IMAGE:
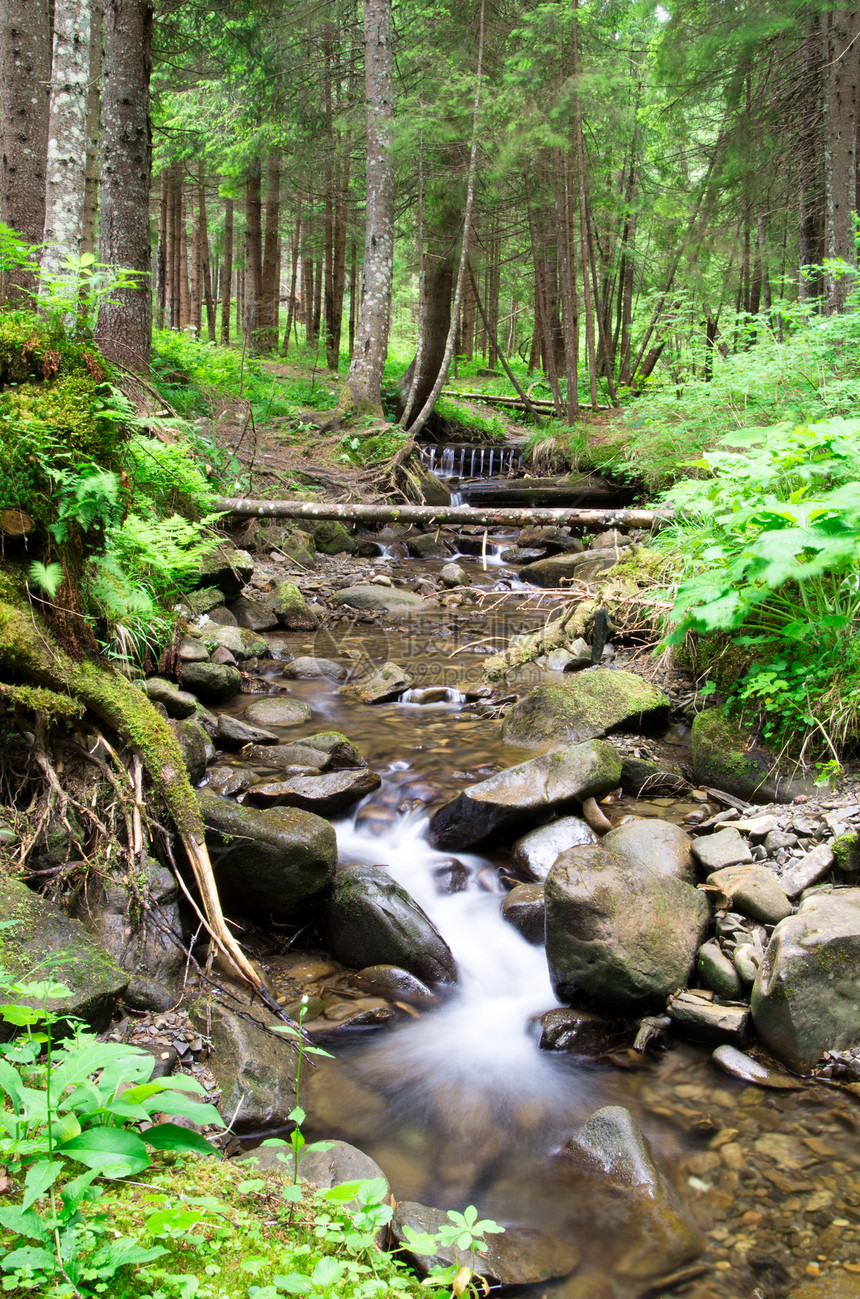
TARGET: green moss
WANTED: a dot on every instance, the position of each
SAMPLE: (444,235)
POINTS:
(846,850)
(38,700)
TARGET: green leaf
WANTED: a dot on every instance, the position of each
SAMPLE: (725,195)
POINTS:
(293,1283)
(114,1151)
(170,1136)
(179,1103)
(39,1178)
(28,1256)
(29,1224)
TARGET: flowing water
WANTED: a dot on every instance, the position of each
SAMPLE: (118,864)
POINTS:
(459,1105)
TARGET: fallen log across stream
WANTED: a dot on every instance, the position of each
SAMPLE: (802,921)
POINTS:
(485,517)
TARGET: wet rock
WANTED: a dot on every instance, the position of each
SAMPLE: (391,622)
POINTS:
(371,920)
(658,1235)
(204,600)
(395,984)
(738,1065)
(746,959)
(223,655)
(326,795)
(697,1016)
(220,616)
(177,703)
(197,749)
(271,863)
(588,706)
(241,643)
(294,543)
(641,776)
(332,538)
(391,600)
(226,568)
(559,569)
(192,650)
(523,554)
(256,615)
(754,891)
(582,1033)
(233,733)
(307,669)
(227,780)
(807,870)
(725,848)
(451,876)
(522,1256)
(659,846)
(279,649)
(535,853)
(724,759)
(524,909)
(285,756)
(41,931)
(292,610)
(618,934)
(805,998)
(453,575)
(717,972)
(280,710)
(255,1069)
(214,683)
(384,684)
(525,792)
(427,546)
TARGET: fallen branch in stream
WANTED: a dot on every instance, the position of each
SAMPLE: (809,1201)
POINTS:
(433,514)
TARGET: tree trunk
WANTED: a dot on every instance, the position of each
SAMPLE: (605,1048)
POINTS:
(25,78)
(205,269)
(840,147)
(161,250)
(292,304)
(608,517)
(253,259)
(227,271)
(196,262)
(567,267)
(271,285)
(91,182)
(125,324)
(810,178)
(183,282)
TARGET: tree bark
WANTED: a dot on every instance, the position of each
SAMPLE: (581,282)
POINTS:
(227,271)
(362,390)
(840,147)
(205,268)
(161,250)
(292,304)
(253,259)
(620,518)
(270,286)
(91,182)
(125,324)
(25,78)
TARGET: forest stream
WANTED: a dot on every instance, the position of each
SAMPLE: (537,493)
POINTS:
(459,1104)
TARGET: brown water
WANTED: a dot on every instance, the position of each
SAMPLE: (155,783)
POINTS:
(460,1106)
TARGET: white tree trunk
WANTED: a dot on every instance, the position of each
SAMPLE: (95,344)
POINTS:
(363,383)
(67,134)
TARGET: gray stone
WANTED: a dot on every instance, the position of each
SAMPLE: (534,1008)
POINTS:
(391,600)
(332,538)
(587,706)
(292,610)
(256,615)
(558,660)
(559,569)
(278,710)
(233,733)
(226,568)
(642,777)
(746,959)
(371,920)
(41,932)
(582,1033)
(612,1143)
(386,683)
(326,795)
(136,919)
(176,702)
(221,616)
(802,872)
(427,546)
(307,668)
(227,780)
(453,575)
(806,997)
(524,909)
(214,683)
(535,853)
(734,1062)
(270,863)
(192,650)
(255,1069)
(696,1016)
(777,839)
(724,758)
(659,846)
(725,848)
(530,790)
(619,935)
(285,756)
(754,891)
(396,984)
(197,748)
(522,1256)
(717,971)
(223,655)
(241,643)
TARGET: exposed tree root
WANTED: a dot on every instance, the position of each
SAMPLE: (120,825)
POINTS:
(29,653)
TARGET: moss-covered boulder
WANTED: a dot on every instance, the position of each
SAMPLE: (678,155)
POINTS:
(431,489)
(590,705)
(272,864)
(380,599)
(371,920)
(214,683)
(197,748)
(332,538)
(806,997)
(292,610)
(226,568)
(240,641)
(254,1067)
(619,936)
(43,943)
(520,795)
(293,543)
(725,757)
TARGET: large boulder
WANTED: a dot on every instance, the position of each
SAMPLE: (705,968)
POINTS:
(292,610)
(242,643)
(387,682)
(278,710)
(371,920)
(589,705)
(332,538)
(254,1067)
(806,997)
(226,568)
(381,599)
(40,934)
(659,846)
(724,758)
(525,793)
(214,683)
(196,746)
(619,936)
(326,795)
(535,853)
(268,863)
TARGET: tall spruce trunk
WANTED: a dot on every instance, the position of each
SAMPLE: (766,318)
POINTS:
(25,79)
(66,167)
(271,285)
(161,253)
(227,272)
(253,258)
(840,147)
(294,275)
(91,180)
(362,390)
(205,267)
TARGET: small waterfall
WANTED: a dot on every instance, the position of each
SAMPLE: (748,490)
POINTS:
(470,461)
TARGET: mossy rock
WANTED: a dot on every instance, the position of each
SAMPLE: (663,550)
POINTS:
(292,610)
(332,538)
(44,943)
(298,546)
(725,758)
(846,851)
(590,706)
